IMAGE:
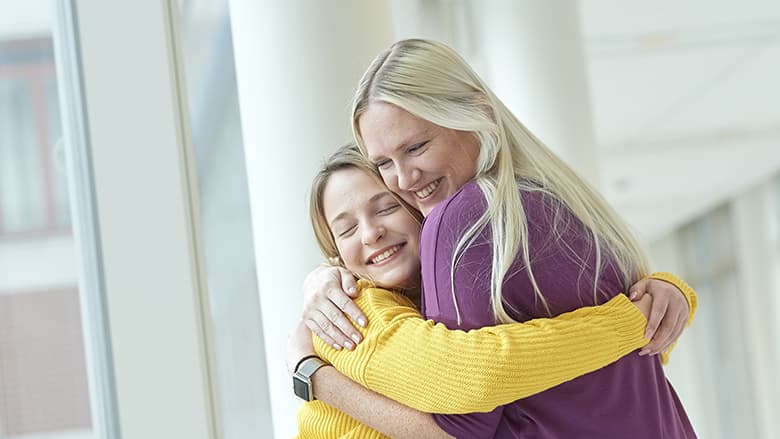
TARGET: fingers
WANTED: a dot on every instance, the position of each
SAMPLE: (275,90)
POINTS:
(656,316)
(645,304)
(668,332)
(329,320)
(325,305)
(674,334)
(638,290)
(344,302)
(335,314)
(315,328)
(660,338)
(348,283)
(668,316)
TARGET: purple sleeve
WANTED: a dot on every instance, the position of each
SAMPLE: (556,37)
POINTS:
(441,232)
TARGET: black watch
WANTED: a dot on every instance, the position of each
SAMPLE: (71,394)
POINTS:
(302,377)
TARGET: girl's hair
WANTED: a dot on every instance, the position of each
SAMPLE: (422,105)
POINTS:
(431,81)
(346,157)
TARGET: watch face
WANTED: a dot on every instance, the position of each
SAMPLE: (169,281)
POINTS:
(301,388)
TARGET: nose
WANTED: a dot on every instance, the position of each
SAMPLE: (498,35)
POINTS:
(407,177)
(372,232)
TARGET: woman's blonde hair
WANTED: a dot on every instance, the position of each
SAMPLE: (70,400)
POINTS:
(431,81)
(346,157)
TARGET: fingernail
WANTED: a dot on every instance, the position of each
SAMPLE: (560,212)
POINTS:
(351,290)
(633,295)
(336,346)
(348,345)
(356,338)
(642,353)
(362,322)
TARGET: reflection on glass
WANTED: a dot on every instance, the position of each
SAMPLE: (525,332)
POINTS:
(224,208)
(44,390)
(723,370)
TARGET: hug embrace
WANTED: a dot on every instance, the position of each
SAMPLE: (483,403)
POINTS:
(476,286)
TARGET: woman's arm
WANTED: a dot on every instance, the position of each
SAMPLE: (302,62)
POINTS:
(432,369)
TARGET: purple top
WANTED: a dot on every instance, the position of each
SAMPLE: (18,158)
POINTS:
(630,398)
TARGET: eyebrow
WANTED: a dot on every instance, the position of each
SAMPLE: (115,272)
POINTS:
(373,199)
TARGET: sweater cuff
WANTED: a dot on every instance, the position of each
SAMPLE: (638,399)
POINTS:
(687,291)
(627,320)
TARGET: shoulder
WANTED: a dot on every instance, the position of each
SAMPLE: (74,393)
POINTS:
(460,210)
(383,304)
(542,209)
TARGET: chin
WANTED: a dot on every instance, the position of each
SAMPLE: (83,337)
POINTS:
(397,279)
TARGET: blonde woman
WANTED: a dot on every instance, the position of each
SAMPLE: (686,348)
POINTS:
(362,226)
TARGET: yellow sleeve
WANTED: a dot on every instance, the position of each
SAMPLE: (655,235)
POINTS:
(690,296)
(428,367)
(318,420)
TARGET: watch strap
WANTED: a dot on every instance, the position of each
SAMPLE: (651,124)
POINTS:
(297,366)
(308,366)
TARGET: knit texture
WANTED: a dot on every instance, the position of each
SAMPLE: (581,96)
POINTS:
(318,420)
(485,368)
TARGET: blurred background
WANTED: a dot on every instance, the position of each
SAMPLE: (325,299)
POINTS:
(155,160)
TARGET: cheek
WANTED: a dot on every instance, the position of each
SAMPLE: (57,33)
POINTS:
(439,163)
(464,169)
(350,253)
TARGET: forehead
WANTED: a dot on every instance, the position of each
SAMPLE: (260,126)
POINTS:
(385,127)
(348,190)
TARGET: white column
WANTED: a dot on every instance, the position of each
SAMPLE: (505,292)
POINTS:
(533,57)
(758,288)
(297,64)
(433,19)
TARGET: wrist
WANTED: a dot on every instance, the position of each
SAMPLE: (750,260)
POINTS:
(302,378)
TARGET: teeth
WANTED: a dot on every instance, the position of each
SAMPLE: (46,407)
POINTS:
(428,189)
(385,255)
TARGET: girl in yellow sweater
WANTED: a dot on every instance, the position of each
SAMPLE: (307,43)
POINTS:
(454,371)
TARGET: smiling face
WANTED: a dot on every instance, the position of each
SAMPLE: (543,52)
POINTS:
(420,161)
(377,238)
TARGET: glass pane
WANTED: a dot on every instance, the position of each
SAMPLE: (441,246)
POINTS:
(225,219)
(45,379)
(722,364)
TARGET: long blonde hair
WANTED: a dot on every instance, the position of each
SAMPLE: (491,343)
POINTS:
(431,81)
(346,157)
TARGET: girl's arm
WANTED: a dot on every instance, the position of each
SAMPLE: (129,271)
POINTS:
(372,409)
(435,370)
(370,415)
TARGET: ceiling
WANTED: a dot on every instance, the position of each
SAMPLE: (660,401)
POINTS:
(685,97)
(686,103)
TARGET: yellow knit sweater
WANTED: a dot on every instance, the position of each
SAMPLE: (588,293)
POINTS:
(486,367)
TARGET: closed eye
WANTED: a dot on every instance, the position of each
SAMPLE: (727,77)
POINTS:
(417,147)
(382,164)
(347,231)
(389,209)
